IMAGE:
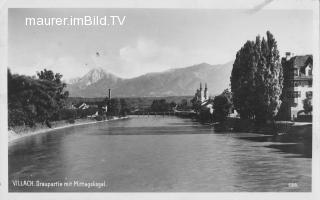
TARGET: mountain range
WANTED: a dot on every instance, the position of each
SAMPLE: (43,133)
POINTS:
(174,82)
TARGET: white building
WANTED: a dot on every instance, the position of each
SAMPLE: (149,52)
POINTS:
(297,86)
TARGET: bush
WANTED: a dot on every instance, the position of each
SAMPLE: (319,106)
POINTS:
(70,121)
(205,115)
(99,118)
(16,117)
(67,114)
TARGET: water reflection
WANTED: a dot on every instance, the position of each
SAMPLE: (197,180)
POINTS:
(299,147)
(159,154)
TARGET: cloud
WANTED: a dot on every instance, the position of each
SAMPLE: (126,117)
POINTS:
(148,56)
(140,57)
(68,66)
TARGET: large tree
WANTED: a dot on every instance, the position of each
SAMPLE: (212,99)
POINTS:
(256,79)
(32,100)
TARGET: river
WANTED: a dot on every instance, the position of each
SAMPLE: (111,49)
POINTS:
(156,154)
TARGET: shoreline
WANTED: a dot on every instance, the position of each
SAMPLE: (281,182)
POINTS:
(15,136)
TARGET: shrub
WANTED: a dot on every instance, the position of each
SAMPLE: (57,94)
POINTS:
(66,114)
(71,121)
(99,118)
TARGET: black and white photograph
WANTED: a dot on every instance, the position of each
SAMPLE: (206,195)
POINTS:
(190,98)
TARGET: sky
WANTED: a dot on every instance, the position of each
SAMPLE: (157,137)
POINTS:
(150,40)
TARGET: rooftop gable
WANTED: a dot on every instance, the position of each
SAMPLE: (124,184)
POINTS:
(301,61)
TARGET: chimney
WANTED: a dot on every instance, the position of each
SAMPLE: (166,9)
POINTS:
(288,56)
(109,94)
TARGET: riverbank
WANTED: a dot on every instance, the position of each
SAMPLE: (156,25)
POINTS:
(285,129)
(20,132)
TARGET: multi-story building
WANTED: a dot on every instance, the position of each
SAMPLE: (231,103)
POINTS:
(297,85)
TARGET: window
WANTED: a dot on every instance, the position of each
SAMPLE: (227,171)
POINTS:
(308,71)
(309,94)
(297,94)
(296,72)
(294,94)
(301,83)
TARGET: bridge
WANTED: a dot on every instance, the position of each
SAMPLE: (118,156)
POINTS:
(166,113)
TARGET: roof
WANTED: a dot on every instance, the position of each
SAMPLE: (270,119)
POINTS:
(206,102)
(301,61)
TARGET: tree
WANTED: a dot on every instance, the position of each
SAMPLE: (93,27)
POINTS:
(307,106)
(115,107)
(32,100)
(228,94)
(269,80)
(242,78)
(257,79)
(53,92)
(196,104)
(124,107)
(183,104)
(159,105)
(172,105)
(59,96)
(222,105)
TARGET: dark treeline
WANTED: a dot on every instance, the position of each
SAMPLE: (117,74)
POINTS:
(161,105)
(43,99)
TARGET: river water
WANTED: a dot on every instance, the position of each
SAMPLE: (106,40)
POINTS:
(156,154)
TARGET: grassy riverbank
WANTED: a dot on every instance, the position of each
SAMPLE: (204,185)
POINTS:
(19,132)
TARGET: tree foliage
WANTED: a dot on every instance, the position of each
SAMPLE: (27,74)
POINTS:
(196,104)
(183,105)
(160,105)
(124,107)
(32,100)
(222,105)
(115,107)
(257,79)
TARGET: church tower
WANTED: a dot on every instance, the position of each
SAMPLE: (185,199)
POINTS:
(206,96)
(201,93)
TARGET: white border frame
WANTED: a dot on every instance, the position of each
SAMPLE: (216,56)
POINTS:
(196,4)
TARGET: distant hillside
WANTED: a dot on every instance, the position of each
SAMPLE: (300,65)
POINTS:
(175,82)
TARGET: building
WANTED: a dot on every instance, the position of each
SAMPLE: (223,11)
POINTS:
(201,100)
(202,95)
(297,85)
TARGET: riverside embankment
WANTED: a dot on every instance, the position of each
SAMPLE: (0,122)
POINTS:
(18,132)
